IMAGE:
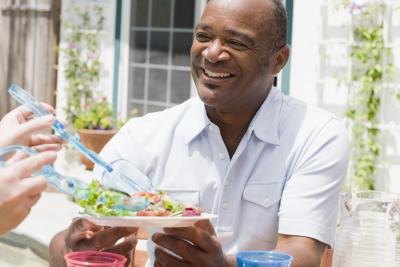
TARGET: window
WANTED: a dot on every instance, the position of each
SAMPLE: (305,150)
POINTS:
(154,70)
(160,37)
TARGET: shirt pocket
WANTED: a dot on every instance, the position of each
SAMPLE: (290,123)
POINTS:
(260,207)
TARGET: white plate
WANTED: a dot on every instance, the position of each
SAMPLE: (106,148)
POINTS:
(150,221)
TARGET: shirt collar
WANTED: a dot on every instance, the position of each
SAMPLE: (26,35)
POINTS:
(195,120)
(264,124)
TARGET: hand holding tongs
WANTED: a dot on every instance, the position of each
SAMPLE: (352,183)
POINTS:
(120,174)
(69,185)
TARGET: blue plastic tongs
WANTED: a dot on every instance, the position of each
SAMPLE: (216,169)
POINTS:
(71,186)
(24,98)
(62,183)
(126,177)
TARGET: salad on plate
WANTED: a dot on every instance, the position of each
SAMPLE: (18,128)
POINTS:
(99,202)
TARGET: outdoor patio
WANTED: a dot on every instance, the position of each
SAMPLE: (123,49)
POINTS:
(135,57)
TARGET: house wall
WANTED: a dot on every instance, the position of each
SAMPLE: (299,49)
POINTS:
(321,60)
(106,40)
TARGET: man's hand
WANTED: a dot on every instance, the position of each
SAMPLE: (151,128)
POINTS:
(19,128)
(84,235)
(197,245)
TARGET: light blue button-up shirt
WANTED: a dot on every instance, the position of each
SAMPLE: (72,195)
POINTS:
(285,176)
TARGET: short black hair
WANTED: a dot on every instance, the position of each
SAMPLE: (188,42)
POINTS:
(281,25)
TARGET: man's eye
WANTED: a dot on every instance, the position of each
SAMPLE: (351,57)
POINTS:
(202,37)
(235,44)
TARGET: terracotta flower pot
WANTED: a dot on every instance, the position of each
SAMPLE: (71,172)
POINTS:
(94,140)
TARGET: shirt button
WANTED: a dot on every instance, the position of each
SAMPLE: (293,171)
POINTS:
(227,182)
(221,155)
(266,201)
(225,205)
(210,127)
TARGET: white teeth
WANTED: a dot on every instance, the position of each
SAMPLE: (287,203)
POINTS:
(216,75)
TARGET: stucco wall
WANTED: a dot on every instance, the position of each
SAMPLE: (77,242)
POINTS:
(320,60)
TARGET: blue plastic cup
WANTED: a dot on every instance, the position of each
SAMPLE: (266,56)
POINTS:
(263,259)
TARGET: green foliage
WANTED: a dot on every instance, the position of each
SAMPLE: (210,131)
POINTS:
(82,55)
(371,68)
(97,116)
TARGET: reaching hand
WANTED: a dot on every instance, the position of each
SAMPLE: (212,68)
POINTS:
(19,128)
(197,246)
(19,193)
(84,235)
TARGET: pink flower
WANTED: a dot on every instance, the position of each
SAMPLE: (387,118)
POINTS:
(356,8)
(72,46)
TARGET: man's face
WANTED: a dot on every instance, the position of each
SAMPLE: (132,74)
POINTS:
(231,53)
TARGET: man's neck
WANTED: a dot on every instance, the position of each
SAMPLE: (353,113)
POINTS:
(233,124)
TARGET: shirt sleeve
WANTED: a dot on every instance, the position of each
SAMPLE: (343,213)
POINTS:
(311,196)
(122,146)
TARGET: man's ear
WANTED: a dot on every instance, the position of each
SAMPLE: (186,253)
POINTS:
(280,59)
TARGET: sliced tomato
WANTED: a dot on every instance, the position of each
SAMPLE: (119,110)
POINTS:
(145,213)
(153,213)
(191,211)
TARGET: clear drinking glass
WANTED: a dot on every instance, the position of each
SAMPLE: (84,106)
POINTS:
(368,234)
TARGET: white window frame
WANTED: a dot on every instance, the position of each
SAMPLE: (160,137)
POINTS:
(125,51)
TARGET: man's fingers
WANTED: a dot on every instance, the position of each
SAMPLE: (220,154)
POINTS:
(28,166)
(108,237)
(81,224)
(206,226)
(199,237)
(178,246)
(74,239)
(125,246)
(163,258)
(78,230)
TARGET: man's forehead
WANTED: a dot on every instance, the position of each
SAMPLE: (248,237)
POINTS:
(251,10)
(262,5)
(255,14)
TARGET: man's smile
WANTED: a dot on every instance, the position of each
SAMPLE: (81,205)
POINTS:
(216,75)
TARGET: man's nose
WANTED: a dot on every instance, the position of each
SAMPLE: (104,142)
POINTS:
(215,52)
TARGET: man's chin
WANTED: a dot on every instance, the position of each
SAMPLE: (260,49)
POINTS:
(208,96)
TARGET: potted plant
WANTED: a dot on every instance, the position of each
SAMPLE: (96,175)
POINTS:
(96,126)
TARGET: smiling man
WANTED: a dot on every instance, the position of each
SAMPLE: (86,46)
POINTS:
(271,167)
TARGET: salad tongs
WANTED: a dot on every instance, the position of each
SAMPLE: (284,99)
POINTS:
(72,186)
